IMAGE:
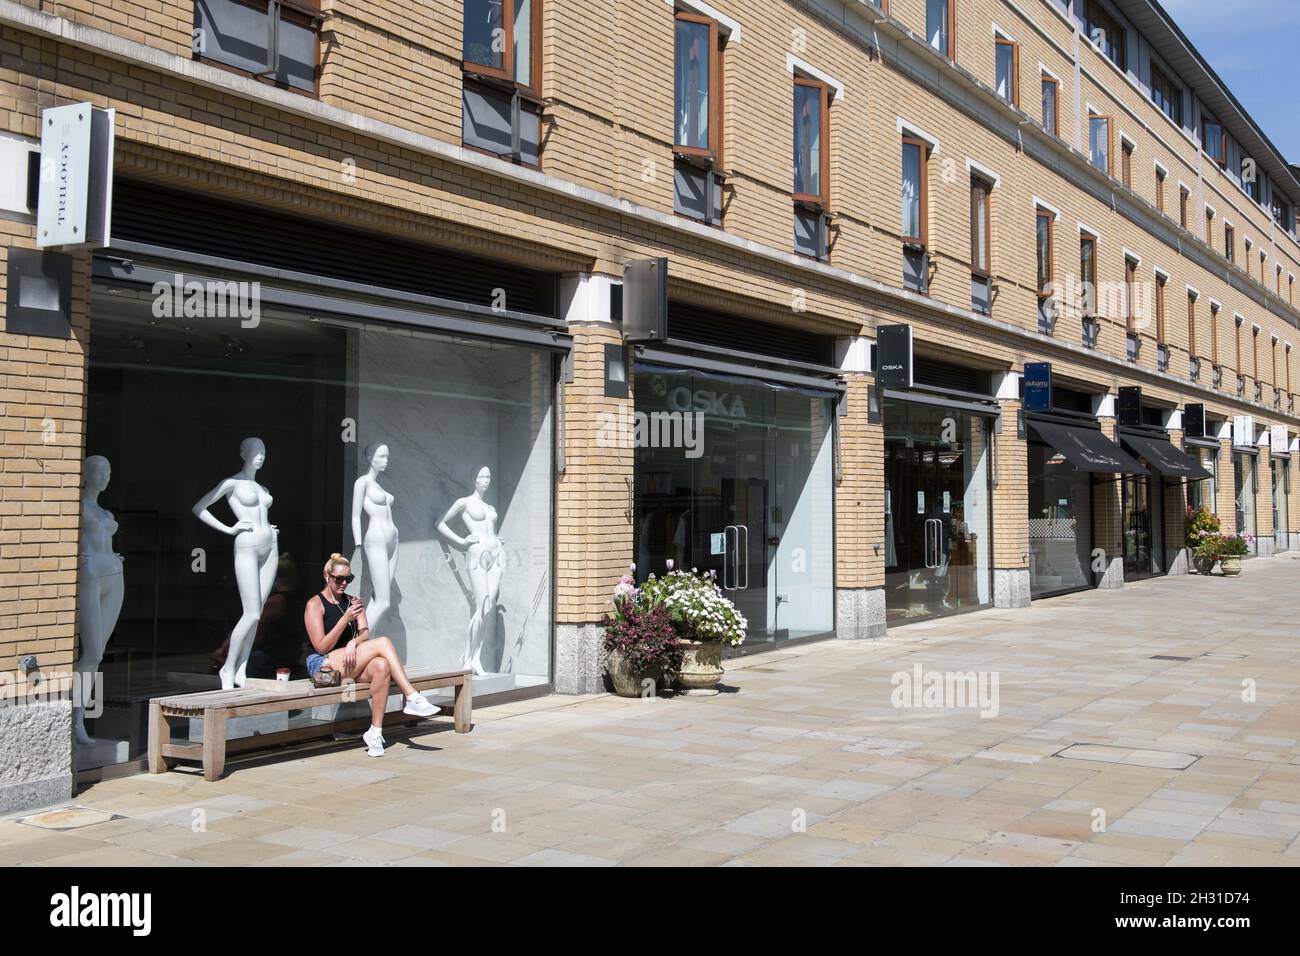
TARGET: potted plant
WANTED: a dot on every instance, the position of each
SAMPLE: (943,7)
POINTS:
(1202,524)
(705,621)
(1208,551)
(1233,547)
(641,642)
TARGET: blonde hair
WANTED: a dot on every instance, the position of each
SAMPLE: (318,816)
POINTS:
(334,561)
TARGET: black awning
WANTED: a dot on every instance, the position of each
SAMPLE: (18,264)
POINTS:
(1087,449)
(1163,457)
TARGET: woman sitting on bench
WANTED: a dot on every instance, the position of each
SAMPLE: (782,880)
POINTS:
(332,616)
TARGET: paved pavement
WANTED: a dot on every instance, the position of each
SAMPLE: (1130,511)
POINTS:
(1154,725)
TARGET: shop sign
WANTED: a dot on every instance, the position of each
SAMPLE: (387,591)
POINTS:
(1243,431)
(1038,387)
(74,207)
(1194,421)
(1129,411)
(645,300)
(1279,439)
(724,404)
(894,356)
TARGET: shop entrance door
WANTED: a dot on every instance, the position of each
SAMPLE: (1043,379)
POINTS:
(936,511)
(1143,508)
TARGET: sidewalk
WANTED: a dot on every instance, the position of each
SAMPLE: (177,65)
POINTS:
(805,761)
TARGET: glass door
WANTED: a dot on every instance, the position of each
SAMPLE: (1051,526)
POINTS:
(937,524)
(1143,508)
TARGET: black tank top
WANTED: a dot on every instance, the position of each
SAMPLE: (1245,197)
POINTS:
(333,614)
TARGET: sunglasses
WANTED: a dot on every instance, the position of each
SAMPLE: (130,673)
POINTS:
(341,578)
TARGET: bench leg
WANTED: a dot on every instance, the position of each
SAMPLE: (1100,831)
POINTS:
(214,744)
(462,711)
(160,735)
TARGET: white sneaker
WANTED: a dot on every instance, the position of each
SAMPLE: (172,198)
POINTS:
(418,706)
(374,741)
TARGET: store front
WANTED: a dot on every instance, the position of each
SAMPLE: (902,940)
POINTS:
(1280,466)
(1148,549)
(234,451)
(1244,463)
(1068,456)
(1203,493)
(734,474)
(938,496)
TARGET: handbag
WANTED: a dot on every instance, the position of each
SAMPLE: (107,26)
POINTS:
(326,677)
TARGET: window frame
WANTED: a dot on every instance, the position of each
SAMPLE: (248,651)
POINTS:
(1162,330)
(950,16)
(1222,158)
(923,199)
(1229,242)
(1191,325)
(1126,150)
(1130,291)
(1044,290)
(1088,275)
(1094,15)
(506,73)
(308,10)
(1161,176)
(1172,94)
(820,200)
(1184,199)
(1214,334)
(713,151)
(1110,142)
(1055,128)
(980,186)
(1001,41)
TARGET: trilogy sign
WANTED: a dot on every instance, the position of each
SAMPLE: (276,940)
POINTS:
(894,356)
(74,208)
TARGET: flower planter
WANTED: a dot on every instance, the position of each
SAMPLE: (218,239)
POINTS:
(628,682)
(701,666)
(1231,565)
(1202,565)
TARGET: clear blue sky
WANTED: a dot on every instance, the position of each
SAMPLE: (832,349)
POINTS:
(1252,45)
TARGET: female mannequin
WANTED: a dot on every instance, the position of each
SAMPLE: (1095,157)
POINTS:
(100,584)
(256,553)
(483,557)
(380,541)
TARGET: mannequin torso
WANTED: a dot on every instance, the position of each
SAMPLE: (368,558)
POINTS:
(97,529)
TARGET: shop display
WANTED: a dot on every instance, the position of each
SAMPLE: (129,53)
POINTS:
(100,583)
(483,561)
(379,543)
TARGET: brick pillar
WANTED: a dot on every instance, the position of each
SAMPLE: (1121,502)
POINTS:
(1177,559)
(42,414)
(1107,518)
(860,518)
(1011,512)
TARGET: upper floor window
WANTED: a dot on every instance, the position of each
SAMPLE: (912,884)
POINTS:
(1215,140)
(1160,189)
(1183,197)
(697,117)
(941,26)
(1283,213)
(1230,242)
(1126,162)
(501,106)
(276,41)
(1007,55)
(981,235)
(1166,95)
(1105,33)
(1051,105)
(1044,252)
(1251,180)
(1100,141)
(1088,273)
(811,166)
(914,191)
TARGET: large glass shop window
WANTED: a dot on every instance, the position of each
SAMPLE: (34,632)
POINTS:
(424,459)
(1243,483)
(736,476)
(1060,522)
(938,521)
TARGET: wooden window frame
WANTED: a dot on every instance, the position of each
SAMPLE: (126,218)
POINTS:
(1222,158)
(1015,67)
(1161,336)
(506,72)
(923,217)
(1042,214)
(1191,326)
(1209,226)
(1056,103)
(713,151)
(1214,335)
(1184,198)
(978,186)
(951,16)
(1089,305)
(1160,190)
(1229,243)
(1130,289)
(1126,162)
(1110,141)
(1278,269)
(821,200)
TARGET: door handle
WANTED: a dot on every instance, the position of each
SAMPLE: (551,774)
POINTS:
(728,552)
(744,528)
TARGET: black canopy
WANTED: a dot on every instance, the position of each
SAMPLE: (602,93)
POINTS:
(1087,449)
(1163,457)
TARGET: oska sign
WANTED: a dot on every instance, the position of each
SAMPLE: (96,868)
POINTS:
(682,399)
(894,356)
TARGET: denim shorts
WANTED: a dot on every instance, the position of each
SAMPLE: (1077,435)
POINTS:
(314,663)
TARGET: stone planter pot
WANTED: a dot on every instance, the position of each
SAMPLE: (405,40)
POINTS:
(626,681)
(1231,565)
(1202,565)
(701,666)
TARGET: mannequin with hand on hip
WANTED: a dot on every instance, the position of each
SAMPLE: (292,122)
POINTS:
(483,556)
(256,552)
(100,585)
(379,543)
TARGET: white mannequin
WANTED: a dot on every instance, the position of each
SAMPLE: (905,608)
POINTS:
(380,541)
(100,584)
(256,553)
(483,557)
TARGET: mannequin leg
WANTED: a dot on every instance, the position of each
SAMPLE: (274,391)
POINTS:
(91,626)
(478,579)
(266,581)
(241,638)
(381,576)
(487,613)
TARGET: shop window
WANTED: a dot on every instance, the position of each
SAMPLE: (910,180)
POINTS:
(1215,141)
(1007,57)
(981,232)
(501,104)
(811,166)
(1051,105)
(697,137)
(1100,141)
(941,26)
(276,41)
(1105,33)
(914,191)
(1044,247)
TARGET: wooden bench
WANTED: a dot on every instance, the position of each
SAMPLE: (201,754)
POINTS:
(215,707)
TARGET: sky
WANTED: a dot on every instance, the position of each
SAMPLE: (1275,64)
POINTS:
(1252,45)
